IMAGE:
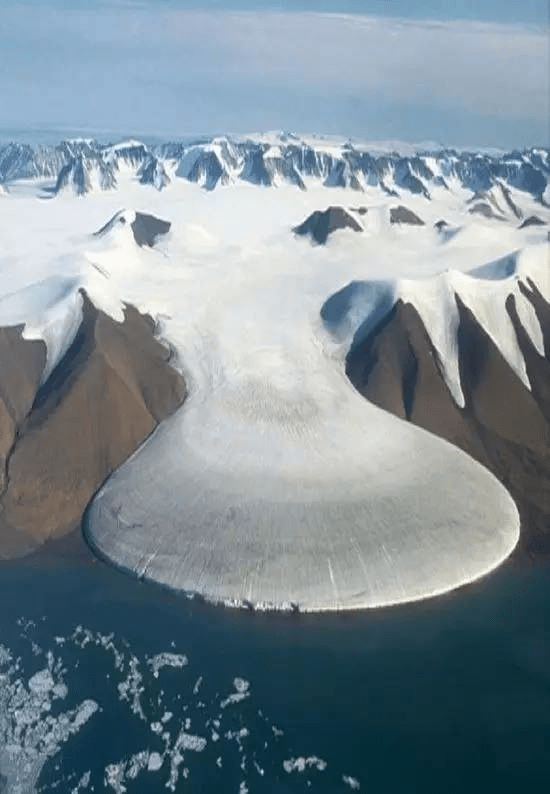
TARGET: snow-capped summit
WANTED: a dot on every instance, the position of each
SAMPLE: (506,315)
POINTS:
(130,152)
(204,166)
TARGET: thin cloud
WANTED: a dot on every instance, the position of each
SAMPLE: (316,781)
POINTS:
(496,69)
(213,62)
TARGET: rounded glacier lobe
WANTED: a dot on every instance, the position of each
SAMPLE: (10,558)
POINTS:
(324,512)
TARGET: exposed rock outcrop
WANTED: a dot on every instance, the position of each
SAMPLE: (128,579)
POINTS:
(484,209)
(320,225)
(532,220)
(152,172)
(503,424)
(403,214)
(59,441)
(145,228)
(81,174)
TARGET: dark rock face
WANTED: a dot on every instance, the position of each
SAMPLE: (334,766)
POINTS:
(208,169)
(21,161)
(474,172)
(153,172)
(283,168)
(341,175)
(403,214)
(145,228)
(319,225)
(255,170)
(61,440)
(484,209)
(405,178)
(523,176)
(21,364)
(503,425)
(510,203)
(532,220)
(132,153)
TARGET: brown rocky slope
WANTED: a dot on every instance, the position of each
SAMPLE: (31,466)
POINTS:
(59,441)
(503,424)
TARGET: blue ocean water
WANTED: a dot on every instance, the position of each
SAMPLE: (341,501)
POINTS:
(112,684)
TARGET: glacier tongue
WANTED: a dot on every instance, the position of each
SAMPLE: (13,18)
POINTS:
(319,501)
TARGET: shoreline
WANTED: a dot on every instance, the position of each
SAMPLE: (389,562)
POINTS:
(74,550)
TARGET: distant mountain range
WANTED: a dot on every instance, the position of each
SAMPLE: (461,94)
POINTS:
(83,165)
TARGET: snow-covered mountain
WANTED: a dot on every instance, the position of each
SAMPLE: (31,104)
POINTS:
(284,159)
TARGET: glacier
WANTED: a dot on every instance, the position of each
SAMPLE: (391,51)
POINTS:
(276,485)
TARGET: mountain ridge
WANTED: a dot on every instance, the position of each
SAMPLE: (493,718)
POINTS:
(222,160)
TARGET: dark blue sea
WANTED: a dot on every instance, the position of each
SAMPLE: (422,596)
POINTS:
(112,684)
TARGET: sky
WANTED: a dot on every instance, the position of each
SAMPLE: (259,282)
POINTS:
(460,72)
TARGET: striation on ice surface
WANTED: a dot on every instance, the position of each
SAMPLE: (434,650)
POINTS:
(350,508)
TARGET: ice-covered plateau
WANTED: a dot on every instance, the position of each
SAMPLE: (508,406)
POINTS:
(276,484)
